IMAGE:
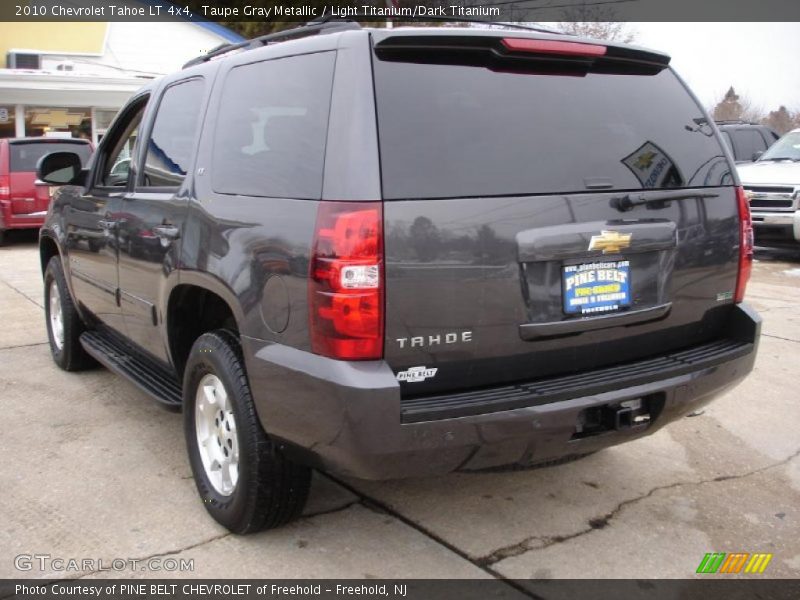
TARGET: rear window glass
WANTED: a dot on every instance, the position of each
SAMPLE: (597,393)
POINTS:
(272,128)
(450,131)
(24,156)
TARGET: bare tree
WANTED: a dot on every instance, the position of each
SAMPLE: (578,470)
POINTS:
(733,107)
(595,22)
(781,120)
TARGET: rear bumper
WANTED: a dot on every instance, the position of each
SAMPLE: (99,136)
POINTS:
(9,220)
(348,418)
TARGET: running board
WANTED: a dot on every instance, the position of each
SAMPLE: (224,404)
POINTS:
(143,372)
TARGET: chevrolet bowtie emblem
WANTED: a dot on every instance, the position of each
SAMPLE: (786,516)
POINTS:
(610,242)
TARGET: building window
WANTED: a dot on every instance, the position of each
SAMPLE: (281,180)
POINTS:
(58,122)
(7,123)
(102,121)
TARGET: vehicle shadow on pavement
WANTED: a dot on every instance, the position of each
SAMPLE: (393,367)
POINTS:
(791,255)
(21,238)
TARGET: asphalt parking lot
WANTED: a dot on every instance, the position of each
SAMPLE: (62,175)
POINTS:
(94,469)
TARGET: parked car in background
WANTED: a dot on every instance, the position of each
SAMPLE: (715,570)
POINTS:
(747,141)
(772,184)
(23,204)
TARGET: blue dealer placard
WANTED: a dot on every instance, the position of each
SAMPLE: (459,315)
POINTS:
(597,287)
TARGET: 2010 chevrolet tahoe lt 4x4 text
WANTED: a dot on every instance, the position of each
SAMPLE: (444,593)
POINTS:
(391,253)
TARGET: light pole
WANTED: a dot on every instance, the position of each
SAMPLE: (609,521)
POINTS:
(390,4)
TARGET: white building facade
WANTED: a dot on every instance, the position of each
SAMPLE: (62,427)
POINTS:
(70,79)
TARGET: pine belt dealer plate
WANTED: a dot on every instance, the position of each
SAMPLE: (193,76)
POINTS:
(596,287)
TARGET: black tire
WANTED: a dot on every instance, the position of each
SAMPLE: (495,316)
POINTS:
(70,356)
(2,236)
(271,490)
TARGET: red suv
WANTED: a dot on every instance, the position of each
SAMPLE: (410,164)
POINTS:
(23,204)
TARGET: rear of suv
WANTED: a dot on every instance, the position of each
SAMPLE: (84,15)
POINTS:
(394,253)
(23,204)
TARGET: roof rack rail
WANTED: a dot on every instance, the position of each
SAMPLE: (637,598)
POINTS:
(735,122)
(324,25)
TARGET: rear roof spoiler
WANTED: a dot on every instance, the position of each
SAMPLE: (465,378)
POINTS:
(513,52)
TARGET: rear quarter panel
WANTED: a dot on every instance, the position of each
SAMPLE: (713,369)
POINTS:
(255,250)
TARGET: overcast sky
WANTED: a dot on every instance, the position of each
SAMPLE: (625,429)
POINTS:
(760,60)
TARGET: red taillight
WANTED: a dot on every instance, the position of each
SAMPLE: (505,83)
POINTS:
(553,47)
(346,281)
(745,245)
(5,188)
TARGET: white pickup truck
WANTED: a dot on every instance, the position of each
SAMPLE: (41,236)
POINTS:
(772,184)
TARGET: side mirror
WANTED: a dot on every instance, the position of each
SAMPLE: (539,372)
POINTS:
(61,168)
(757,155)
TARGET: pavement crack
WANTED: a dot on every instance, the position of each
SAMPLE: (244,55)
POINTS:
(535,543)
(24,346)
(518,549)
(23,294)
(379,507)
(149,557)
(778,337)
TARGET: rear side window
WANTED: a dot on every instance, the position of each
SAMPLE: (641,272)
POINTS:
(24,156)
(272,127)
(172,141)
(749,141)
(450,131)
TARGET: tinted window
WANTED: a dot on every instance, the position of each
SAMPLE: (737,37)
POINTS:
(24,156)
(469,131)
(172,142)
(123,138)
(749,141)
(272,126)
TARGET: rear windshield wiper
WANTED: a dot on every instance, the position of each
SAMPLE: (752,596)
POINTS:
(628,201)
(777,158)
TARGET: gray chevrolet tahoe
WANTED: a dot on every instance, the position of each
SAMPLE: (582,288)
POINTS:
(393,253)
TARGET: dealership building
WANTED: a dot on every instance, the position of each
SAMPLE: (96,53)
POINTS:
(70,79)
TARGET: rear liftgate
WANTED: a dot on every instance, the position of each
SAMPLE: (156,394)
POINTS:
(516,276)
